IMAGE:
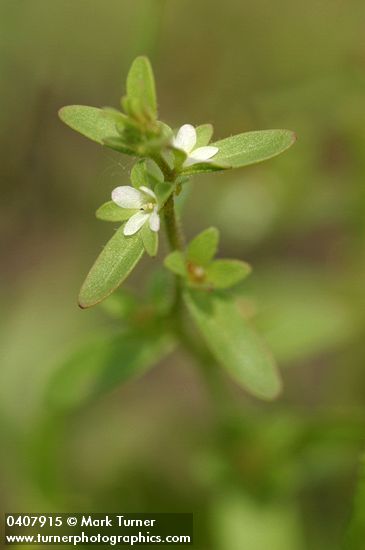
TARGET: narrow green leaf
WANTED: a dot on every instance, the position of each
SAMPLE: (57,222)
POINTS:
(89,121)
(141,84)
(252,147)
(205,168)
(175,262)
(204,134)
(110,212)
(103,363)
(226,273)
(111,268)
(150,240)
(235,346)
(245,149)
(203,247)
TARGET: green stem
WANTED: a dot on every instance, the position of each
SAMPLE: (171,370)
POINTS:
(176,241)
(173,228)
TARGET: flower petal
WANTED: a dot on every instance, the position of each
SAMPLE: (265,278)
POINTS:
(126,196)
(202,154)
(154,221)
(148,191)
(186,138)
(135,223)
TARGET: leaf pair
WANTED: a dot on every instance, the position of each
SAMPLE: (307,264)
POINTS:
(138,132)
(135,133)
(198,268)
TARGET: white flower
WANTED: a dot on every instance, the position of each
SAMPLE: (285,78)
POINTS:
(186,140)
(144,200)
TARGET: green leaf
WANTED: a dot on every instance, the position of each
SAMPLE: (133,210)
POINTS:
(117,144)
(154,172)
(141,84)
(252,147)
(139,174)
(234,345)
(203,247)
(150,240)
(146,172)
(111,268)
(245,149)
(103,363)
(179,157)
(110,212)
(226,273)
(205,167)
(175,262)
(91,122)
(163,191)
(204,134)
(120,119)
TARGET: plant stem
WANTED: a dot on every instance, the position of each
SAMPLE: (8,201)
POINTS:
(176,241)
(173,228)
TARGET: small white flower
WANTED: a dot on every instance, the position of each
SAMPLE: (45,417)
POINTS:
(186,140)
(144,200)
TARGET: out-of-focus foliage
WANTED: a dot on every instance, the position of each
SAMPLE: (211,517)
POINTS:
(167,442)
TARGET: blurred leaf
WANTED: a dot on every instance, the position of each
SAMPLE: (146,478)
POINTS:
(141,85)
(91,122)
(233,343)
(204,134)
(203,247)
(120,305)
(175,262)
(103,363)
(111,212)
(160,291)
(226,273)
(111,268)
(245,149)
(356,532)
(150,240)
(241,523)
(300,312)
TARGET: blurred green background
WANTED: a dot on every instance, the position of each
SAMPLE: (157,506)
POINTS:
(256,475)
